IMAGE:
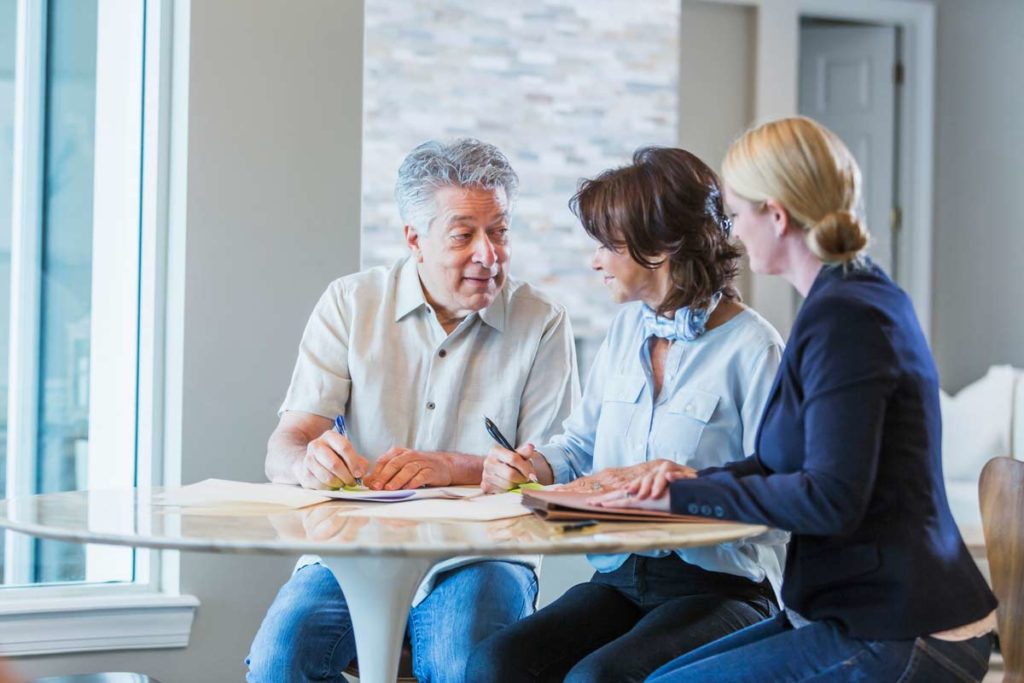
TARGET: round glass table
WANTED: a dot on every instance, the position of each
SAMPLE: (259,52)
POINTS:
(379,561)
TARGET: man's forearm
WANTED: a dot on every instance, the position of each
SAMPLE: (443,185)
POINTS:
(284,450)
(466,470)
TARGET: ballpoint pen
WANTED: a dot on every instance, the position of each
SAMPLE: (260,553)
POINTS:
(339,426)
(496,434)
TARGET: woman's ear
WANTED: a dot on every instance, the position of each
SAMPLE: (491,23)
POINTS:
(778,216)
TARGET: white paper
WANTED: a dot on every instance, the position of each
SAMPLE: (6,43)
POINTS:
(479,509)
(219,492)
(366,495)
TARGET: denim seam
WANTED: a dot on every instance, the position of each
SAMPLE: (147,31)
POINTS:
(946,663)
(326,667)
(846,663)
(912,664)
(530,604)
(416,637)
(972,653)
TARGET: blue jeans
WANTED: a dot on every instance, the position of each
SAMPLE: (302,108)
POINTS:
(622,625)
(307,633)
(773,651)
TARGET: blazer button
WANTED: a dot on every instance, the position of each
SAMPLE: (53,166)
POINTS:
(442,353)
(430,405)
(719,512)
(705,510)
(692,508)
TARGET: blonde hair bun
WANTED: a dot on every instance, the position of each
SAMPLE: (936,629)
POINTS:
(805,167)
(838,237)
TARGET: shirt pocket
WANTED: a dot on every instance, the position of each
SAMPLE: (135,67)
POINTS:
(619,404)
(689,413)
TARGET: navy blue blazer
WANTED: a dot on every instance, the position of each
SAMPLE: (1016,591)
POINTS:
(848,458)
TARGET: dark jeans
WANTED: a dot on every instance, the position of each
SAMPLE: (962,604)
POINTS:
(773,651)
(622,625)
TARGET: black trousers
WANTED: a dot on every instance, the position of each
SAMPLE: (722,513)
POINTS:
(622,625)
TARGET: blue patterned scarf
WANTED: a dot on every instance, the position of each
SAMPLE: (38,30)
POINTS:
(686,325)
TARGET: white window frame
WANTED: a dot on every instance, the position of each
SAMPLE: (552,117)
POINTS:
(133,134)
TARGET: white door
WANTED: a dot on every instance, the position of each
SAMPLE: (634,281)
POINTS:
(847,82)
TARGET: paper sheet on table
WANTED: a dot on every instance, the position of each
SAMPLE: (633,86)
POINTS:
(480,509)
(220,492)
(370,496)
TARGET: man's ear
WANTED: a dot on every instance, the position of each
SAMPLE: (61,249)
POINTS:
(779,217)
(412,240)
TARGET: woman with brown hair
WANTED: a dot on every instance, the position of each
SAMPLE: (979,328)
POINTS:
(679,381)
(879,586)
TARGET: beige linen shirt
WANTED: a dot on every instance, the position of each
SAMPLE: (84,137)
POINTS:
(374,352)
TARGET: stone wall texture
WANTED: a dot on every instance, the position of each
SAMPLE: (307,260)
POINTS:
(566,88)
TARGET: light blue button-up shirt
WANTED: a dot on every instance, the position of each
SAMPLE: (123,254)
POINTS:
(712,395)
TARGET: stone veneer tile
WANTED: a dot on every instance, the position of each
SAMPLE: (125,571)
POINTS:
(566,88)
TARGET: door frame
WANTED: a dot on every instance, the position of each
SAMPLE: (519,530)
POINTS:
(776,79)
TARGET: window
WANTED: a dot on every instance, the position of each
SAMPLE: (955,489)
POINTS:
(73,309)
(84,150)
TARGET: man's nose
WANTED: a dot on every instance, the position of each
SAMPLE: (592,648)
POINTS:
(484,252)
(595,260)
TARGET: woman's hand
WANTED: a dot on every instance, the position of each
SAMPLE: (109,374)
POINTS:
(650,491)
(614,478)
(504,469)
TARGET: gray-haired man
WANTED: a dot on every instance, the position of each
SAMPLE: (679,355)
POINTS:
(415,356)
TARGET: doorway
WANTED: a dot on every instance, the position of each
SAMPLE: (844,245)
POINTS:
(850,78)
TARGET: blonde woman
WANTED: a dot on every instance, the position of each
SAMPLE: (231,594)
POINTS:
(878,584)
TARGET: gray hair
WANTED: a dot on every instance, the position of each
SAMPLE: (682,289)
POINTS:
(464,162)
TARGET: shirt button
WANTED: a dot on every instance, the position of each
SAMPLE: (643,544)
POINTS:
(705,510)
(442,353)
(430,405)
(689,408)
(692,508)
(719,512)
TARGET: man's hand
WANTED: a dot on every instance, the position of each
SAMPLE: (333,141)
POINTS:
(404,468)
(614,478)
(505,469)
(330,462)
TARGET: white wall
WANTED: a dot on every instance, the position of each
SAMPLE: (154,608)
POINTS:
(274,138)
(979,228)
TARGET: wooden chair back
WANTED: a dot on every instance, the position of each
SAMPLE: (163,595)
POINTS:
(1002,518)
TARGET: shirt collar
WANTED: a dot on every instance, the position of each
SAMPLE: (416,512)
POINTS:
(410,297)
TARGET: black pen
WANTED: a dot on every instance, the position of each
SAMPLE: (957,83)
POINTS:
(496,434)
(576,526)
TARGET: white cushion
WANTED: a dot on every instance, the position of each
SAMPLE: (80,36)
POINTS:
(976,423)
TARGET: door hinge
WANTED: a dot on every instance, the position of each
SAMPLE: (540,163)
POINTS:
(896,219)
(897,73)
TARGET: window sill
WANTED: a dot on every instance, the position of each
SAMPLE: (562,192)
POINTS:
(90,624)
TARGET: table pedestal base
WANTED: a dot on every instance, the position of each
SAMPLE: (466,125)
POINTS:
(379,591)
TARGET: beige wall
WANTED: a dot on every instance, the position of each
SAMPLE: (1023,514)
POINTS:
(274,138)
(716,81)
(978,319)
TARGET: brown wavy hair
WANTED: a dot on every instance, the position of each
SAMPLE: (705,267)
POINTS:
(667,204)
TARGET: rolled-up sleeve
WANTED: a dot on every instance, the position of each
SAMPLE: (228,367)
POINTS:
(320,381)
(571,453)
